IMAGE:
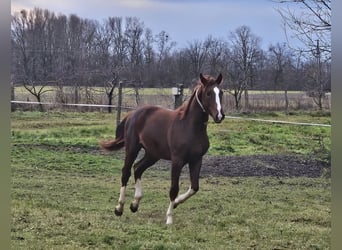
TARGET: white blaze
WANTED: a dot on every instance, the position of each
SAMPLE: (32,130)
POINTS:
(218,104)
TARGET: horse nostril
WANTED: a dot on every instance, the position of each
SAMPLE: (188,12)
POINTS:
(219,117)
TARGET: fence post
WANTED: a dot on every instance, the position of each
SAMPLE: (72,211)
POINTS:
(118,114)
(178,93)
(12,97)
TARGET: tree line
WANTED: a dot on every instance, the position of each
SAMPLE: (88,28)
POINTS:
(59,50)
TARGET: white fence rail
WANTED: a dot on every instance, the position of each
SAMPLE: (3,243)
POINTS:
(131,108)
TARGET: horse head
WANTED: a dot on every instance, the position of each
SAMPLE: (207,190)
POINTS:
(211,97)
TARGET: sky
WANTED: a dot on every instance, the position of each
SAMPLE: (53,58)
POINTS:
(184,20)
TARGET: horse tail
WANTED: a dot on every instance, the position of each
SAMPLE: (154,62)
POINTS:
(119,141)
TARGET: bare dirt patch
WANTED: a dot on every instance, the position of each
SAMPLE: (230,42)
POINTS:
(233,166)
(258,165)
(263,165)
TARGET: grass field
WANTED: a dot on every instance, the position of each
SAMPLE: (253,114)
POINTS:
(64,189)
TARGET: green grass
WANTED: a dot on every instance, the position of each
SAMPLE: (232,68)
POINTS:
(64,190)
(245,137)
(74,211)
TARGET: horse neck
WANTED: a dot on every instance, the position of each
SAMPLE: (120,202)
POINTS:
(195,114)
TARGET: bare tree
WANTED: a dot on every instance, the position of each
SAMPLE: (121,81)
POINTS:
(164,45)
(32,54)
(235,84)
(149,56)
(182,68)
(196,54)
(309,21)
(215,54)
(109,89)
(311,25)
(73,51)
(37,90)
(245,52)
(20,51)
(318,74)
(118,43)
(281,63)
(133,33)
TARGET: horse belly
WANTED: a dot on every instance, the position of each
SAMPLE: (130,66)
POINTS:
(154,141)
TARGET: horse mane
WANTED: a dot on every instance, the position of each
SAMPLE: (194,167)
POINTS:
(184,109)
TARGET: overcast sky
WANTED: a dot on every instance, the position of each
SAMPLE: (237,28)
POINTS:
(185,21)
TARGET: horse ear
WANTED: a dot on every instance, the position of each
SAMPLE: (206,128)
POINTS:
(219,79)
(203,79)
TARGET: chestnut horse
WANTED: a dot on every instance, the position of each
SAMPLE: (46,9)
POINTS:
(178,135)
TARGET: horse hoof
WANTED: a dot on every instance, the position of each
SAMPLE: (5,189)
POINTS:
(117,212)
(134,208)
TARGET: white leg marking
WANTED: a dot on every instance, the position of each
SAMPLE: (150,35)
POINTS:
(119,207)
(169,213)
(138,192)
(122,194)
(218,104)
(185,196)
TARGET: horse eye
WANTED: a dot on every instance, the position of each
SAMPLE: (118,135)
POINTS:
(209,93)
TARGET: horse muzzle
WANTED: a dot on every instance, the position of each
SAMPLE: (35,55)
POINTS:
(219,118)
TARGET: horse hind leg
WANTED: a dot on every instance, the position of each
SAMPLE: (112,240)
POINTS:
(126,173)
(139,169)
(119,208)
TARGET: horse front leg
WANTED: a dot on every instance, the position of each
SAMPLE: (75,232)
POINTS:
(195,168)
(175,172)
(183,197)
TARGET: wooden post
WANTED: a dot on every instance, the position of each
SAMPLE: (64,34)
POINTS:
(179,96)
(76,96)
(118,114)
(12,97)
